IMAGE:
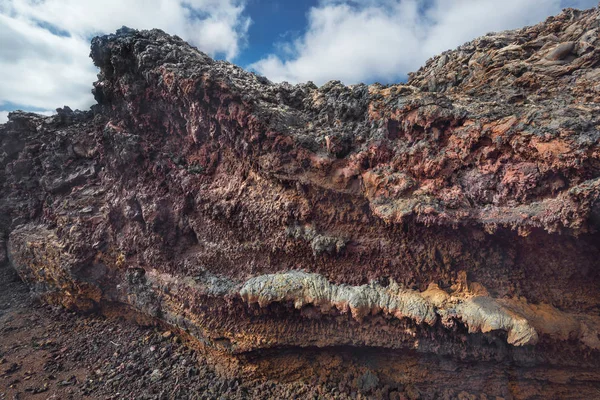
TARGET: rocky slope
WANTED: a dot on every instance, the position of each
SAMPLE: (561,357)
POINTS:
(447,227)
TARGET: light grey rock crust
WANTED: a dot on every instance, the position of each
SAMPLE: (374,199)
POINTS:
(479,313)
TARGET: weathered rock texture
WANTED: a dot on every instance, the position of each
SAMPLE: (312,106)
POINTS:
(448,226)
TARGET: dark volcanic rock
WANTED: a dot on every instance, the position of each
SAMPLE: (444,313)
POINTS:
(453,220)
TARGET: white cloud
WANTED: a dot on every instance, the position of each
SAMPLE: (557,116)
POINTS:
(385,39)
(42,70)
(45,43)
(3,116)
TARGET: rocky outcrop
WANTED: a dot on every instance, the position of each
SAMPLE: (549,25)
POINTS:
(451,220)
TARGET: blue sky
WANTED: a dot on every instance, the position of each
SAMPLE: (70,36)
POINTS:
(45,43)
(273,21)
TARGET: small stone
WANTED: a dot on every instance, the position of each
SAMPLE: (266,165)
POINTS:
(561,51)
(13,368)
(368,381)
(167,334)
(156,375)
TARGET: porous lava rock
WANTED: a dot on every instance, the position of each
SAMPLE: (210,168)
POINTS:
(448,227)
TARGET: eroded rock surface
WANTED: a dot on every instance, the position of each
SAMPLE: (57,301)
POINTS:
(453,219)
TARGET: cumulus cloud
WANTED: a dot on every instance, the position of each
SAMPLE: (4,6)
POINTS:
(43,70)
(45,43)
(383,40)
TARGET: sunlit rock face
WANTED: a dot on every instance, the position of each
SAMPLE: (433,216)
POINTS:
(446,229)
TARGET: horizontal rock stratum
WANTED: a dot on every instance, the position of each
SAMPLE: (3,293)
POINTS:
(447,227)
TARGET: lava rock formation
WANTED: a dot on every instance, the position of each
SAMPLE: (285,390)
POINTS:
(450,225)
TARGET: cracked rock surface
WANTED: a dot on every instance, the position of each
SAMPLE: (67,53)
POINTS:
(446,229)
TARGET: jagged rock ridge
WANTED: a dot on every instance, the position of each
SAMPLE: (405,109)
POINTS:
(454,216)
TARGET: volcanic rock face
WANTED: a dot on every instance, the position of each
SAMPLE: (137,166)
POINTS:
(451,222)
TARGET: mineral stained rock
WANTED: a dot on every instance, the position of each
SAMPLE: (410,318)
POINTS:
(448,227)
